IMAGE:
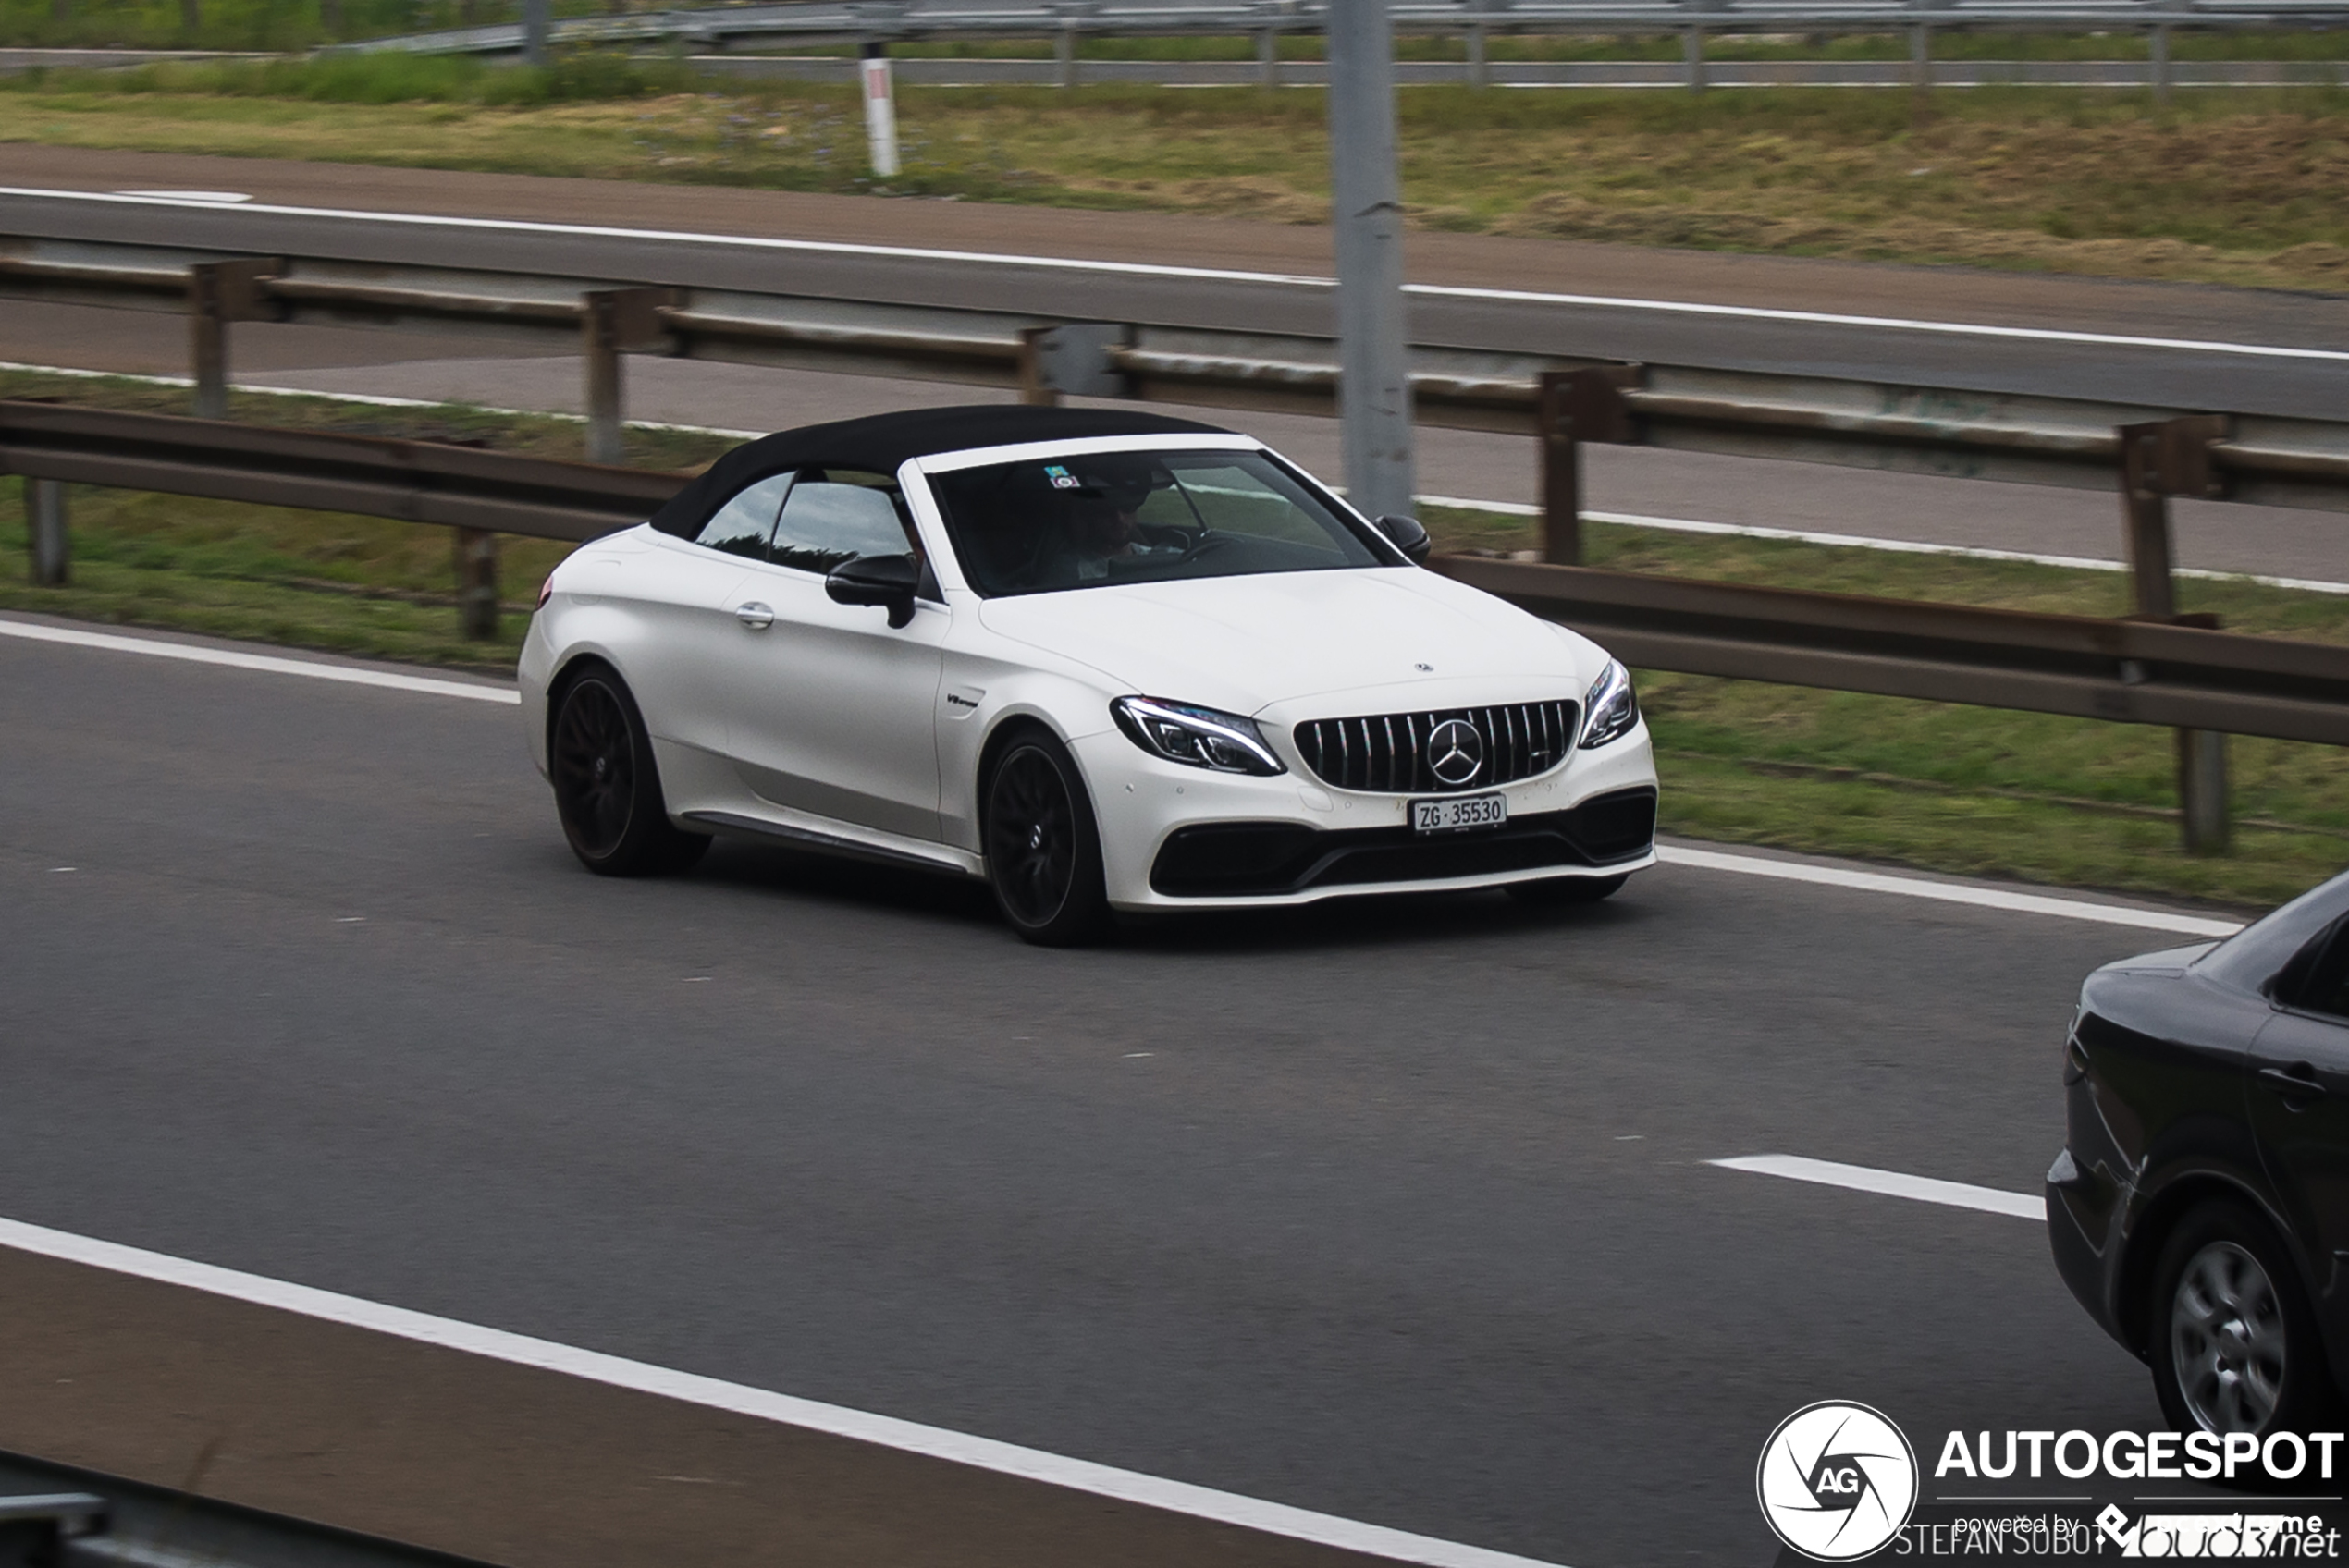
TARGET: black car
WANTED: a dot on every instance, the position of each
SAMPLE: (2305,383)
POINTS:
(2200,1206)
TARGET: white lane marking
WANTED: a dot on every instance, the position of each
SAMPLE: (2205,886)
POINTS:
(1891,1183)
(1215,274)
(2009,899)
(1869,541)
(223,198)
(265,663)
(886,1431)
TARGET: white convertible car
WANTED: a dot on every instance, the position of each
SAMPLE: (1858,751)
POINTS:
(1104,660)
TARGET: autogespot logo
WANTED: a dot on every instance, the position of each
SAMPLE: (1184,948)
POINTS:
(1836,1480)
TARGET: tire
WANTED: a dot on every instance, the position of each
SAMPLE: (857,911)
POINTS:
(1557,892)
(1043,849)
(2231,1337)
(607,784)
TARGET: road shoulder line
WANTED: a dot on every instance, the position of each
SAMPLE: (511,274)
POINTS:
(1891,1183)
(2012,899)
(351,675)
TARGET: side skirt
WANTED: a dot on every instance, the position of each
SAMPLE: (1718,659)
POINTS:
(733,824)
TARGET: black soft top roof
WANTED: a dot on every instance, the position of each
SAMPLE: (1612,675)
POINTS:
(879,443)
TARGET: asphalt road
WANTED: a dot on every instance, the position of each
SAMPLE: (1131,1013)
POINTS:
(2129,375)
(1394,1210)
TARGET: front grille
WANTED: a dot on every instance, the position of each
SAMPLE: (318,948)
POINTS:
(1396,753)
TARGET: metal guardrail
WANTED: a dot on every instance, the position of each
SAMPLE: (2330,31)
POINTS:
(2129,671)
(2149,455)
(738,27)
(1950,432)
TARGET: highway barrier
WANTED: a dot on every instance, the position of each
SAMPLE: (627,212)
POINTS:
(2148,455)
(727,31)
(2162,670)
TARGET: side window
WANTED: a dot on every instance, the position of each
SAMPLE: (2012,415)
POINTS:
(2324,986)
(741,527)
(837,516)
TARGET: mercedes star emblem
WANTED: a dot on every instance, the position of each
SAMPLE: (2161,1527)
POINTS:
(1455,752)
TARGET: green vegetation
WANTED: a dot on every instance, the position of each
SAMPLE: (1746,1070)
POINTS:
(2059,800)
(2242,186)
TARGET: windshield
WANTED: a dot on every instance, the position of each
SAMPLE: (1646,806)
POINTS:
(1097,518)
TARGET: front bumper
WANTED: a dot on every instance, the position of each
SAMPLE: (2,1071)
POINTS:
(1183,838)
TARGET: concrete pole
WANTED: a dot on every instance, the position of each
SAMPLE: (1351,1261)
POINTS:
(1374,383)
(881,110)
(537,28)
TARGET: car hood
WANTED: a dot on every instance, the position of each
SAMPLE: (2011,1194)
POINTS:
(1246,643)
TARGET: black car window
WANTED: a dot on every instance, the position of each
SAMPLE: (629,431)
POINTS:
(837,515)
(2319,982)
(1098,518)
(741,527)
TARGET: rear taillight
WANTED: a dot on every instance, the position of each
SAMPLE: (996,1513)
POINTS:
(546,590)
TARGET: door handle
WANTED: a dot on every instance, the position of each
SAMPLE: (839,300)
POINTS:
(2297,1082)
(756,616)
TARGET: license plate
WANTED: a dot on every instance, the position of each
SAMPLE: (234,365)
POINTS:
(1455,815)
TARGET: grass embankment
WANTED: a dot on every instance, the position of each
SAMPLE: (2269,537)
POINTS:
(2241,187)
(1962,790)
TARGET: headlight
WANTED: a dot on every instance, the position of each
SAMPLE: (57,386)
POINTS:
(1201,737)
(1609,708)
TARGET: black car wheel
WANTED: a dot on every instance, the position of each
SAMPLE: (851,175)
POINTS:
(1554,893)
(1044,852)
(607,786)
(2232,1339)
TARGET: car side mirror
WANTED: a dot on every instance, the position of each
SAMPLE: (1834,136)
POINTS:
(1407,536)
(890,582)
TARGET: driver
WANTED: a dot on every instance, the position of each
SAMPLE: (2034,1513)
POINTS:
(1105,526)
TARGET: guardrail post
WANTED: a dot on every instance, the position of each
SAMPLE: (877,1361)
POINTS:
(1268,57)
(1479,74)
(1921,59)
(1576,406)
(2170,457)
(46,537)
(1693,56)
(1034,386)
(218,293)
(613,322)
(2158,63)
(476,561)
(537,27)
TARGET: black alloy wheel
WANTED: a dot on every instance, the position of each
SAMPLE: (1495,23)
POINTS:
(1559,892)
(1044,852)
(2232,1339)
(607,787)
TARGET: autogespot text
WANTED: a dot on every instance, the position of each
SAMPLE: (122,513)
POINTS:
(2131,1457)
